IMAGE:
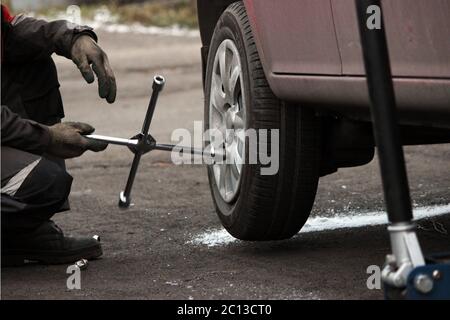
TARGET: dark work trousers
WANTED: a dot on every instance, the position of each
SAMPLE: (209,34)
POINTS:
(33,188)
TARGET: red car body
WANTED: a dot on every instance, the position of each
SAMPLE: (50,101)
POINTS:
(311,54)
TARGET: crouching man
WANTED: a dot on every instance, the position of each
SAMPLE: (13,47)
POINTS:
(34,141)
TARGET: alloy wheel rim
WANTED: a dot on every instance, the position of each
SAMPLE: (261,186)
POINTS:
(227,116)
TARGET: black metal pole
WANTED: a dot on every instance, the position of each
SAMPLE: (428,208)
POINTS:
(384,113)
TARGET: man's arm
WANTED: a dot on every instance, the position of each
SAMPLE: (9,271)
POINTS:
(31,39)
(25,39)
(64,140)
(23,134)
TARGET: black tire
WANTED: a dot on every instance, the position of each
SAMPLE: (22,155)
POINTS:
(267,207)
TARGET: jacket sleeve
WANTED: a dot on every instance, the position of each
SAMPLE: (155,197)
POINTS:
(28,38)
(23,134)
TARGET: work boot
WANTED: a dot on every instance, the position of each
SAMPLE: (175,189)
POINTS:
(48,245)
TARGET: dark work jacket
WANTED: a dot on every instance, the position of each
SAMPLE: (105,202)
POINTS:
(29,78)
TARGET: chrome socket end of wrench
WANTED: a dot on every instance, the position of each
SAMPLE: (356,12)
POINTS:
(124,202)
(158,83)
(82,264)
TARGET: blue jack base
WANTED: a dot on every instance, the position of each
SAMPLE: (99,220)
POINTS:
(428,282)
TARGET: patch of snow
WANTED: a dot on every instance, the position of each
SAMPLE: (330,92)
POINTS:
(214,238)
(104,20)
(220,237)
(357,220)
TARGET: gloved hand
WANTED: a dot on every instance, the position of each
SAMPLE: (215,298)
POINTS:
(85,52)
(67,140)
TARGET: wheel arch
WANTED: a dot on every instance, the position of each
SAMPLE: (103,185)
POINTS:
(209,12)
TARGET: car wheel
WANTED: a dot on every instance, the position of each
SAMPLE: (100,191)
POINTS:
(250,205)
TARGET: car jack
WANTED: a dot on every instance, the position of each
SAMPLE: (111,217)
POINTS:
(143,143)
(406,275)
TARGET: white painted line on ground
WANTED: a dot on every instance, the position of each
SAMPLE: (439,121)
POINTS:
(220,237)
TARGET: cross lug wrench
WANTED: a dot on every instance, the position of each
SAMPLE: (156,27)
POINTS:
(143,143)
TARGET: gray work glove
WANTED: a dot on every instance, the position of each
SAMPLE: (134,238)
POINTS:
(67,140)
(85,52)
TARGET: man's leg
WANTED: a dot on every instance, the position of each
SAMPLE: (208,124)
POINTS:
(33,189)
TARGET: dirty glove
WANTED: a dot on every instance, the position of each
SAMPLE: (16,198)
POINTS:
(85,52)
(67,140)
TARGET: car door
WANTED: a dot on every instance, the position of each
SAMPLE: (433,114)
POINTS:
(418,34)
(295,36)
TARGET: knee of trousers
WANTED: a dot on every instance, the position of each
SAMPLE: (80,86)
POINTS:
(60,180)
(48,182)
